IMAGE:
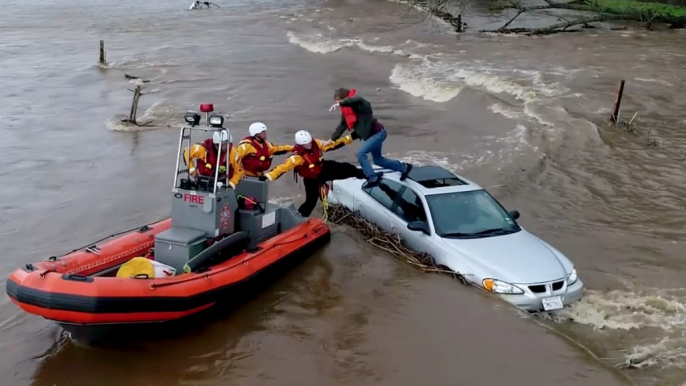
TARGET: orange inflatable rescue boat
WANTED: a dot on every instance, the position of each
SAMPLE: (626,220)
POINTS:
(208,251)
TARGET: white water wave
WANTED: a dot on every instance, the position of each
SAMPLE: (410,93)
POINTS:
(651,80)
(506,111)
(319,44)
(420,84)
(452,162)
(508,144)
(159,115)
(315,43)
(637,309)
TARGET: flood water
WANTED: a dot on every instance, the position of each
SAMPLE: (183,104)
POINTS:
(526,117)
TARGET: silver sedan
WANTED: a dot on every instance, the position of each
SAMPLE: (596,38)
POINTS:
(468,231)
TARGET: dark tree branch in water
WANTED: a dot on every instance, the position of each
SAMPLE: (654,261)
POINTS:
(602,14)
(555,28)
(607,12)
(438,8)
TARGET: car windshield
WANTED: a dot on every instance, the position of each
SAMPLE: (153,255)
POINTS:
(472,214)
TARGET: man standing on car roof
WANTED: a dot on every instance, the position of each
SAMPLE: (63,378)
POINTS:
(308,161)
(357,116)
(255,153)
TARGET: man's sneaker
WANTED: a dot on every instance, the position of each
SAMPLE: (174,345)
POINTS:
(408,168)
(372,182)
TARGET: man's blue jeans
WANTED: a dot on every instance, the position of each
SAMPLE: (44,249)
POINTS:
(373,145)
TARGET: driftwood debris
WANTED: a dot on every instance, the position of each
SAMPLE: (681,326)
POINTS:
(132,77)
(391,243)
(137,93)
(601,14)
(597,13)
(439,9)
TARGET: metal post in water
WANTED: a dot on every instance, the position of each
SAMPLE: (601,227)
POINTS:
(618,102)
(102,53)
(178,158)
(134,104)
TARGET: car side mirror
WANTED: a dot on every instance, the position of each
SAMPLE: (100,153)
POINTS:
(514,214)
(420,226)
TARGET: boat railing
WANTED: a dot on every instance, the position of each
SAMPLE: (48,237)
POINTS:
(213,123)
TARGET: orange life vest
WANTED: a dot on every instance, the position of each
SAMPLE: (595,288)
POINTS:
(261,160)
(314,160)
(206,167)
(348,113)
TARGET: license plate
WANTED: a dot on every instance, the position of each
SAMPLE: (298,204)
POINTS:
(553,303)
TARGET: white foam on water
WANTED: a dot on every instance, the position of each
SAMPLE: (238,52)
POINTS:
(515,139)
(171,81)
(627,310)
(651,80)
(532,112)
(449,161)
(385,49)
(159,115)
(668,352)
(318,44)
(506,111)
(142,61)
(452,75)
(632,310)
(420,84)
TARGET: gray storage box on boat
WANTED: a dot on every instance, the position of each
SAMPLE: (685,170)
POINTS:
(179,246)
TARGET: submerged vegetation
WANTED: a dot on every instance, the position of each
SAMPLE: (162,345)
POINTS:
(633,6)
(644,13)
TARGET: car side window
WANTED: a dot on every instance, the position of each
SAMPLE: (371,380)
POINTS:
(385,193)
(410,207)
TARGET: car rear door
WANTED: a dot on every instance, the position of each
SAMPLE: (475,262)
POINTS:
(377,203)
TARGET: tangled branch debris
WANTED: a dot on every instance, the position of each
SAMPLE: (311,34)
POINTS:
(339,214)
(602,10)
(598,11)
(440,10)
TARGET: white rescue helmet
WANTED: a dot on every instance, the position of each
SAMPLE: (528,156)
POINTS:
(257,128)
(224,137)
(302,137)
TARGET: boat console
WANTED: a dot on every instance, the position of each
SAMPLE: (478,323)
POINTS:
(206,217)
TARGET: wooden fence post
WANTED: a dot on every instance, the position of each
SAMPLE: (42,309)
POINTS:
(102,53)
(134,104)
(618,102)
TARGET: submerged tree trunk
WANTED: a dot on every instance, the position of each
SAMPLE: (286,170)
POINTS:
(659,14)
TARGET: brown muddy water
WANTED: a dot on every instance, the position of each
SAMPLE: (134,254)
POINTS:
(523,116)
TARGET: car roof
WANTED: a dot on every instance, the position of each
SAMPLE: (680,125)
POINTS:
(421,178)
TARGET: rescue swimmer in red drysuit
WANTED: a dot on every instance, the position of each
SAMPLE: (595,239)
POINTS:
(255,153)
(308,161)
(358,117)
(205,156)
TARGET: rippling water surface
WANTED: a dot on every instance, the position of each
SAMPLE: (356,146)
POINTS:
(526,117)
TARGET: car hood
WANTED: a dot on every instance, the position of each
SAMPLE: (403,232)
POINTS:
(519,258)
